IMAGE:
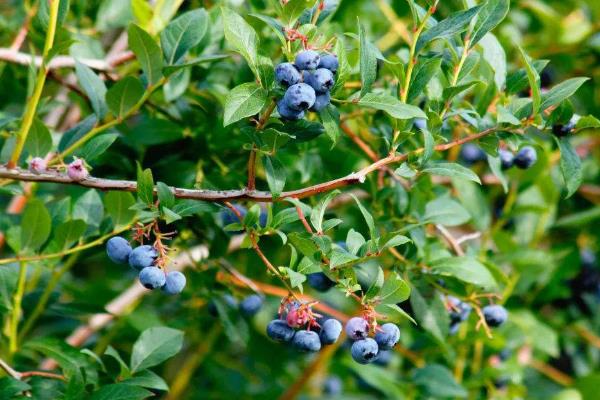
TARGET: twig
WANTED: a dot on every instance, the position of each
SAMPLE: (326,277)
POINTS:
(23,375)
(551,372)
(450,239)
(228,195)
(303,219)
(17,57)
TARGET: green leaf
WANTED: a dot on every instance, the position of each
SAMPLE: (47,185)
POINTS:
(242,37)
(344,70)
(147,53)
(276,176)
(96,146)
(145,185)
(496,168)
(376,286)
(446,211)
(455,23)
(296,278)
(94,88)
(330,117)
(475,202)
(570,166)
(518,81)
(118,208)
(10,387)
(120,391)
(452,170)
(35,225)
(367,216)
(437,381)
(318,212)
(304,244)
(39,140)
(432,316)
(451,92)
(466,269)
(368,62)
(244,101)
(147,379)
(391,105)
(491,14)
(165,195)
(561,92)
(588,122)
(124,95)
(169,215)
(183,33)
(424,71)
(394,313)
(494,54)
(394,290)
(154,346)
(89,208)
(68,233)
(171,69)
(534,82)
(293,9)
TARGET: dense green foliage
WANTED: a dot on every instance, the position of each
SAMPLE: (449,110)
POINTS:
(170,106)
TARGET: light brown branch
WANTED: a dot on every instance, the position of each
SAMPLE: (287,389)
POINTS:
(17,57)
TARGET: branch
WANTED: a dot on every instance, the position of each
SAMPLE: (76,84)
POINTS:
(17,57)
(228,195)
(23,375)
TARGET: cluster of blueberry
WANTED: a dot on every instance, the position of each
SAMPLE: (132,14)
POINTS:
(304,340)
(494,315)
(143,259)
(524,159)
(366,350)
(307,82)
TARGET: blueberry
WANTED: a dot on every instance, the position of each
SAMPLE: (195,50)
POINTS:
(228,217)
(357,328)
(495,315)
(299,97)
(174,283)
(507,158)
(330,62)
(471,153)
(588,258)
(526,157)
(142,257)
(388,336)
(319,281)
(321,101)
(118,249)
(420,124)
(459,310)
(561,130)
(287,75)
(288,113)
(330,331)
(308,59)
(306,341)
(454,327)
(383,358)
(229,301)
(504,354)
(152,277)
(364,351)
(332,386)
(280,331)
(251,305)
(321,80)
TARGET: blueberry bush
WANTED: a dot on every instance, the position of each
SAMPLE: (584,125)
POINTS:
(299,199)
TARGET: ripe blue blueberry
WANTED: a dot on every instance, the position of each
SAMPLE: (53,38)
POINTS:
(118,249)
(364,351)
(287,113)
(388,336)
(280,331)
(330,62)
(459,310)
(321,80)
(228,217)
(588,258)
(495,315)
(174,283)
(383,358)
(526,157)
(561,130)
(321,101)
(251,305)
(152,277)
(306,341)
(330,331)
(142,257)
(308,59)
(287,75)
(332,386)
(300,97)
(319,281)
(507,159)
(357,328)
(454,327)
(420,124)
(471,153)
